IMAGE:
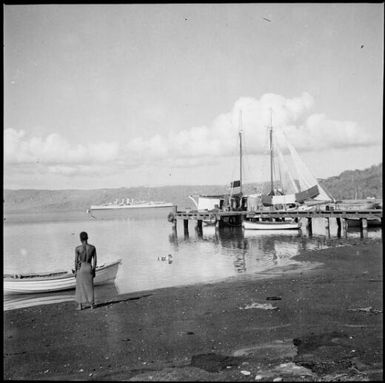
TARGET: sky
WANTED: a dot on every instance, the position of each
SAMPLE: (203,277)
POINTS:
(126,95)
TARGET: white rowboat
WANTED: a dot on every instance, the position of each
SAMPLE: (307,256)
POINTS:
(267,225)
(43,283)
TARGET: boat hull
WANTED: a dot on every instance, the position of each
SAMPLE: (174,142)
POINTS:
(266,225)
(138,211)
(129,207)
(66,281)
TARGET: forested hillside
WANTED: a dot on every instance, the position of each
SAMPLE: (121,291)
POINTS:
(350,184)
(356,184)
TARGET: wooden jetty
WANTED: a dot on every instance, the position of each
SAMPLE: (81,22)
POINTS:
(221,218)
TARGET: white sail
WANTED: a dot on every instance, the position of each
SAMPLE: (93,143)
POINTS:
(306,178)
(286,171)
(292,180)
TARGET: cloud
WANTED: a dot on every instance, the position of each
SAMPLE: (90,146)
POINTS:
(320,133)
(306,130)
(54,150)
(77,169)
(196,146)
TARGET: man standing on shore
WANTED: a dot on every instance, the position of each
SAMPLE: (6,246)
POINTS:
(85,268)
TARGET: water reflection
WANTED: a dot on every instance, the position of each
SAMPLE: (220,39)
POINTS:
(253,251)
(240,263)
(16,301)
(173,237)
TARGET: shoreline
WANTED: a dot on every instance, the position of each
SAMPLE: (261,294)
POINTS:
(321,327)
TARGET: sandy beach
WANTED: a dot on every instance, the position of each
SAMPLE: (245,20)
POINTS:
(322,324)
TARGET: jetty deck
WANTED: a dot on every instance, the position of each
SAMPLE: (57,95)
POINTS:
(347,214)
(222,218)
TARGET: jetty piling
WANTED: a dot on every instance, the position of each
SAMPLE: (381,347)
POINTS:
(309,226)
(185,227)
(198,228)
(327,226)
(364,228)
(338,220)
(235,217)
(345,227)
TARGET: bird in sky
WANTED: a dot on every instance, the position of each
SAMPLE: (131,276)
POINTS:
(267,19)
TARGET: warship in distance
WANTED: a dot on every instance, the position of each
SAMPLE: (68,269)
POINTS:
(127,207)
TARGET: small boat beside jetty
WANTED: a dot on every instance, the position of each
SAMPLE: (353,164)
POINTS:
(271,225)
(58,281)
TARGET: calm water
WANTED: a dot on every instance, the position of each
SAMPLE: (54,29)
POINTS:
(45,242)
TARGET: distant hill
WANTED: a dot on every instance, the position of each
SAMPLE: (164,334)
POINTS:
(364,183)
(80,200)
(356,184)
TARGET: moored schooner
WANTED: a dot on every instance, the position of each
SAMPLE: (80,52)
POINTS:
(291,186)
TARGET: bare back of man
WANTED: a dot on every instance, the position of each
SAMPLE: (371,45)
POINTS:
(85,252)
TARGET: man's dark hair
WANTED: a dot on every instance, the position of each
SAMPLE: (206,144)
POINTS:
(83,236)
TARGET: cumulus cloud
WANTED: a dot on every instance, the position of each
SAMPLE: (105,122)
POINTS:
(306,130)
(198,145)
(320,133)
(54,150)
(77,169)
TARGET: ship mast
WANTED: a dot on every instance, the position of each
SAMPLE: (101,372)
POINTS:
(240,151)
(271,153)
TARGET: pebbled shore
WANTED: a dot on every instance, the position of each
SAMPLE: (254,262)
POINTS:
(323,324)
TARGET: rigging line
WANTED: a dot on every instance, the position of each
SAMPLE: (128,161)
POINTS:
(247,164)
(280,177)
(234,163)
(232,172)
(252,166)
(279,168)
(245,156)
(234,154)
